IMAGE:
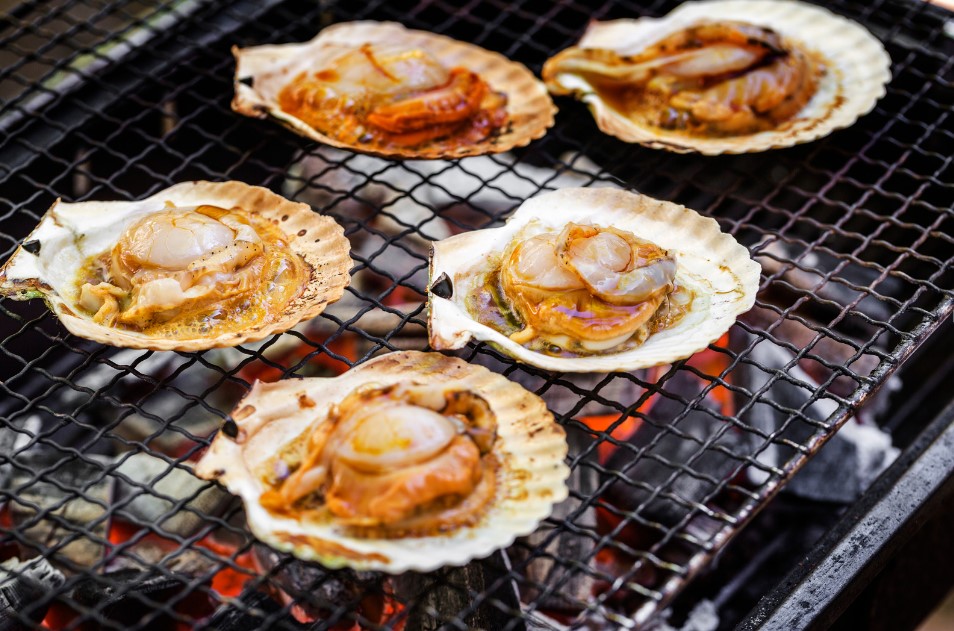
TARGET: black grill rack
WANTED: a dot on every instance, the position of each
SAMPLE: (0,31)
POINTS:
(117,100)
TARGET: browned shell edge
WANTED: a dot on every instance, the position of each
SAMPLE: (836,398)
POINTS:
(318,239)
(517,134)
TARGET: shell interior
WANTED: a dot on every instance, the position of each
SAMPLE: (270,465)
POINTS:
(70,233)
(858,70)
(718,270)
(531,448)
(262,71)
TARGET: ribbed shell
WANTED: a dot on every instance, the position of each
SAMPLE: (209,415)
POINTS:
(261,72)
(858,70)
(69,233)
(530,446)
(715,266)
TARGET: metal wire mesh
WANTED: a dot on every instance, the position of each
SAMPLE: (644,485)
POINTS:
(117,100)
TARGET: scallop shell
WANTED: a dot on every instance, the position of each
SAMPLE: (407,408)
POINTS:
(261,72)
(47,263)
(718,270)
(858,70)
(530,446)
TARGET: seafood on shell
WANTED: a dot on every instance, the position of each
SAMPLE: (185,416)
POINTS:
(411,461)
(195,266)
(380,88)
(591,280)
(724,76)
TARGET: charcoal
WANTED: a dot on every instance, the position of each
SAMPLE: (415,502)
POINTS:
(799,336)
(249,613)
(774,258)
(148,553)
(537,621)
(123,597)
(550,565)
(159,416)
(165,437)
(441,599)
(850,459)
(22,585)
(143,499)
(661,451)
(59,501)
(703,617)
(314,589)
(845,466)
(14,436)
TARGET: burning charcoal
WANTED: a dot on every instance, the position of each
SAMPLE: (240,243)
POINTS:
(64,500)
(135,598)
(552,567)
(442,599)
(315,590)
(155,488)
(662,451)
(249,613)
(22,584)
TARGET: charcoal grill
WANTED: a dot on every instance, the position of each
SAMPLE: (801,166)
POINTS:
(103,525)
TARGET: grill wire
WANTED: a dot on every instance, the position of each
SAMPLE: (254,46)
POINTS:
(117,100)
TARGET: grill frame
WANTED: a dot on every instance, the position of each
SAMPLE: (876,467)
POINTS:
(68,115)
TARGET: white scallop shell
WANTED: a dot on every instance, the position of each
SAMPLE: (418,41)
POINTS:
(858,70)
(718,270)
(268,69)
(530,447)
(68,234)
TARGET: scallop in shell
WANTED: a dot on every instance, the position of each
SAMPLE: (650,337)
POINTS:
(725,76)
(591,280)
(196,266)
(378,469)
(378,87)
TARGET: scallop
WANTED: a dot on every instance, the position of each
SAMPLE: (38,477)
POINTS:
(196,266)
(380,88)
(591,280)
(724,76)
(411,461)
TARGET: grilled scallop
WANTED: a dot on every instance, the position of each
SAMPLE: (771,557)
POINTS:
(411,461)
(380,88)
(195,266)
(591,280)
(726,76)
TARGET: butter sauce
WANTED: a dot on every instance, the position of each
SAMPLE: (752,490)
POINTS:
(278,277)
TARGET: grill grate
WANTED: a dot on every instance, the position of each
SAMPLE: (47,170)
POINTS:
(116,100)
